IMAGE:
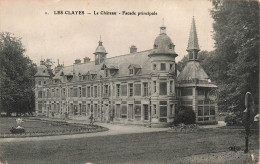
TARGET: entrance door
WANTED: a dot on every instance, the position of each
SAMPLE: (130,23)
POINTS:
(130,112)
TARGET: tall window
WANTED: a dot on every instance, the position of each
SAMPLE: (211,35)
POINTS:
(163,88)
(130,90)
(39,94)
(163,111)
(124,111)
(171,86)
(186,92)
(88,91)
(80,92)
(145,89)
(106,91)
(83,92)
(91,92)
(124,90)
(118,90)
(163,66)
(75,92)
(95,91)
(154,86)
(171,67)
(137,90)
(64,92)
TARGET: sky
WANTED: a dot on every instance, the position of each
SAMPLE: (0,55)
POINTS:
(69,37)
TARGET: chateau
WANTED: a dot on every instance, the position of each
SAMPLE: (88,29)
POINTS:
(137,88)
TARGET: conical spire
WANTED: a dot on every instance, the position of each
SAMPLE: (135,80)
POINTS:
(193,39)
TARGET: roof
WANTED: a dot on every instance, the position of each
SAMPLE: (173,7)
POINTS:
(100,48)
(42,71)
(193,38)
(119,62)
(193,70)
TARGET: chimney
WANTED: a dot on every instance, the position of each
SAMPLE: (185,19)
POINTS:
(86,59)
(133,49)
(77,61)
(41,62)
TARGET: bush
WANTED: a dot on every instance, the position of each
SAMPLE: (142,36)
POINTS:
(233,119)
(186,116)
(17,130)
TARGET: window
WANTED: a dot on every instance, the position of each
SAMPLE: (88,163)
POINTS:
(44,82)
(117,111)
(170,46)
(137,90)
(131,71)
(69,78)
(64,92)
(130,90)
(201,92)
(155,46)
(88,91)
(124,111)
(84,109)
(75,94)
(95,91)
(130,111)
(107,72)
(154,86)
(137,112)
(39,82)
(106,91)
(124,90)
(145,89)
(171,67)
(80,92)
(163,111)
(206,110)
(163,88)
(39,94)
(171,109)
(57,92)
(118,90)
(83,92)
(91,92)
(154,66)
(186,92)
(163,66)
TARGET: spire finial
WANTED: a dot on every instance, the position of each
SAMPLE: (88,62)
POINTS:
(163,28)
(163,22)
(100,41)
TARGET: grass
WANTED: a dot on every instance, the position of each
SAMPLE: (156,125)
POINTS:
(156,147)
(43,128)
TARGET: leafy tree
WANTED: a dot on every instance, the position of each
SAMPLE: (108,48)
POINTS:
(236,34)
(16,76)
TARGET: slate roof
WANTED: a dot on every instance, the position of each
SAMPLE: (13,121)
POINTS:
(193,70)
(193,38)
(119,62)
(42,71)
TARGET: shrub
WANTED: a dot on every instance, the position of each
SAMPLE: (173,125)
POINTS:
(186,116)
(233,119)
(17,130)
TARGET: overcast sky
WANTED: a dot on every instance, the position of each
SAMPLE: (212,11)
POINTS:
(68,37)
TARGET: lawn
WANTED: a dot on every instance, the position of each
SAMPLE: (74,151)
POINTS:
(156,147)
(39,127)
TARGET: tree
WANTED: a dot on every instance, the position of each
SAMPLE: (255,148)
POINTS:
(49,64)
(236,35)
(16,76)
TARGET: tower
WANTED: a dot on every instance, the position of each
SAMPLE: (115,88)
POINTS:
(193,45)
(100,53)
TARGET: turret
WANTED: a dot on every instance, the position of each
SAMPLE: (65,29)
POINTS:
(100,53)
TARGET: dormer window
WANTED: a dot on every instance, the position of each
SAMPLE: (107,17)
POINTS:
(107,72)
(131,71)
(43,71)
(154,67)
(171,46)
(155,46)
(94,76)
(69,78)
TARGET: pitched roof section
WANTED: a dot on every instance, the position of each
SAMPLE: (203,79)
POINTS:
(192,70)
(121,62)
(193,38)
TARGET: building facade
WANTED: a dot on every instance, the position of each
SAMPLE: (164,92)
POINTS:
(136,88)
